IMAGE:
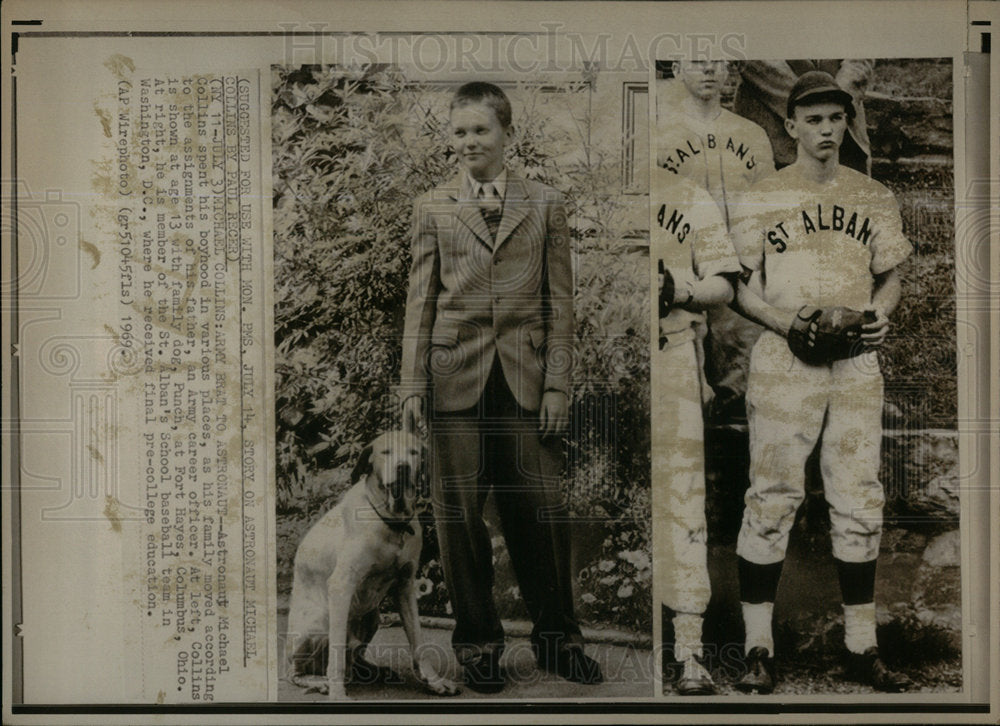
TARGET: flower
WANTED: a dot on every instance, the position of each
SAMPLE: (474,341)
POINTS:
(637,558)
(424,587)
(625,591)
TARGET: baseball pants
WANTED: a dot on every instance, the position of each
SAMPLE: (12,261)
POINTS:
(680,554)
(789,405)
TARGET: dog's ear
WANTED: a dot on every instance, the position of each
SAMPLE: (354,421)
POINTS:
(364,465)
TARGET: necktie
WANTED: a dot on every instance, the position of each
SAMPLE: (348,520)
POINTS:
(490,207)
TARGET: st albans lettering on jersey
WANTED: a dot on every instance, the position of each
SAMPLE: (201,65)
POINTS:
(693,146)
(856,226)
(724,156)
(672,220)
(818,243)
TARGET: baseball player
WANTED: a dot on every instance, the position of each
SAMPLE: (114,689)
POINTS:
(695,266)
(823,242)
(697,138)
(725,154)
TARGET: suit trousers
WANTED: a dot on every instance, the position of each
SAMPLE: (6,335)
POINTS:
(495,446)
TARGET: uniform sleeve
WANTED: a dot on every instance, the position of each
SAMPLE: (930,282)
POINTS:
(712,249)
(889,246)
(746,231)
(765,155)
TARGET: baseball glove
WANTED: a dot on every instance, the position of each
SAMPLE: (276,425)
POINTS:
(667,292)
(823,335)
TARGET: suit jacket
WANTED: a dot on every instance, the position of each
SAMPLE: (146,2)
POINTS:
(472,298)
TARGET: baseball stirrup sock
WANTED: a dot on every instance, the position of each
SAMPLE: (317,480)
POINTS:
(859,627)
(758,583)
(687,636)
(857,581)
(757,621)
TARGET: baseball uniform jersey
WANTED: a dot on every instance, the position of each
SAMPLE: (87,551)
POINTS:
(689,235)
(725,156)
(819,243)
(812,243)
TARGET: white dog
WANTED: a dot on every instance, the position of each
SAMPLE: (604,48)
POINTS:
(363,548)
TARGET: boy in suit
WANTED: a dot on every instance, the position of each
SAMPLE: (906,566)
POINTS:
(487,353)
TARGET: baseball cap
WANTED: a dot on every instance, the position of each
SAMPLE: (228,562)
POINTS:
(818,83)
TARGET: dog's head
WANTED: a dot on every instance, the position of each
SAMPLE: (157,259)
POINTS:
(396,464)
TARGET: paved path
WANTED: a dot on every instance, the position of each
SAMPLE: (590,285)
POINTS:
(627,670)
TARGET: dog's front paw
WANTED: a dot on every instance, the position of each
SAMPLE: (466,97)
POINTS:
(312,684)
(435,683)
(444,687)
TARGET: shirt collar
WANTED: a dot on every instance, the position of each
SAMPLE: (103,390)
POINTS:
(499,183)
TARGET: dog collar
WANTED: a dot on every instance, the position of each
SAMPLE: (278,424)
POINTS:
(396,525)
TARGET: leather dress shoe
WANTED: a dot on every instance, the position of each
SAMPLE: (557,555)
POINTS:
(869,669)
(484,674)
(571,663)
(759,674)
(695,680)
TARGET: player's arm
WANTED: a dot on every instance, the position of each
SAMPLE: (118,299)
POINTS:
(710,290)
(715,263)
(885,298)
(749,304)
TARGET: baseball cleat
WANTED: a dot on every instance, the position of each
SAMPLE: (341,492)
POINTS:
(759,676)
(869,669)
(695,679)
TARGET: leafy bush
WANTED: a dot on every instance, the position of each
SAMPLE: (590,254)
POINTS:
(617,585)
(347,162)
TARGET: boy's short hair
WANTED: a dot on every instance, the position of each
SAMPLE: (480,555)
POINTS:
(482,92)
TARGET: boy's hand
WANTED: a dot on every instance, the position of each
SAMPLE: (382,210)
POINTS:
(684,281)
(873,334)
(554,414)
(413,416)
